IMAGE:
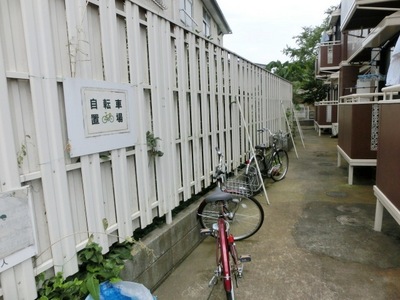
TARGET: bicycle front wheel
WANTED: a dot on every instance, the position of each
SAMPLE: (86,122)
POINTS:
(226,271)
(280,165)
(246,216)
(230,295)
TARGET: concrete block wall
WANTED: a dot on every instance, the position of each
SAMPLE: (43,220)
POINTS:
(155,256)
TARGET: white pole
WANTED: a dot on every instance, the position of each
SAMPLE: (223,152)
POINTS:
(252,150)
(298,127)
(290,130)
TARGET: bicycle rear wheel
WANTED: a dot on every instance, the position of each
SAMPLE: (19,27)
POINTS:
(280,165)
(247,216)
(252,177)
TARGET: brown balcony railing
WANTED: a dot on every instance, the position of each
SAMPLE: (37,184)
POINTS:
(330,56)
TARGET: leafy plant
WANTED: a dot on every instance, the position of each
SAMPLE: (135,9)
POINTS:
(95,268)
(59,288)
(152,143)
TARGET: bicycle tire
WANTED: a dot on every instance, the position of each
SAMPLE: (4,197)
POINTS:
(224,258)
(252,177)
(234,272)
(247,219)
(280,163)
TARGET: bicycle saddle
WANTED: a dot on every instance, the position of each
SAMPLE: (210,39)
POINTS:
(218,196)
(261,147)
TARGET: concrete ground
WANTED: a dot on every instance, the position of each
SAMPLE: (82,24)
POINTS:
(317,240)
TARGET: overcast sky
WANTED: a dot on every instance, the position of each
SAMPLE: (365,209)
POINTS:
(261,29)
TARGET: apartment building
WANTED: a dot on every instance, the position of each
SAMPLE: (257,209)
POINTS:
(357,57)
(203,17)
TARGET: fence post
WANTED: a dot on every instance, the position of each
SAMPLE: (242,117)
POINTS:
(43,84)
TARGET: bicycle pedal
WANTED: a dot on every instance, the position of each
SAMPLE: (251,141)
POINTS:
(206,232)
(213,281)
(245,258)
(239,272)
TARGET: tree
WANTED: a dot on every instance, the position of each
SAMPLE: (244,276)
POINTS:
(300,70)
(307,89)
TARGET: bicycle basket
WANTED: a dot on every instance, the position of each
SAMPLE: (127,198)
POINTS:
(281,140)
(238,185)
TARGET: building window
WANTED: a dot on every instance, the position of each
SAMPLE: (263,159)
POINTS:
(206,23)
(186,12)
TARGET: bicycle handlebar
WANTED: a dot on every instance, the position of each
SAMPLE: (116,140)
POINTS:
(269,131)
(219,171)
(265,129)
(219,152)
(218,174)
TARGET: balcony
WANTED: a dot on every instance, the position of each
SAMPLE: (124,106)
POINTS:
(384,31)
(325,115)
(355,50)
(329,57)
(357,14)
(358,127)
(387,188)
(361,42)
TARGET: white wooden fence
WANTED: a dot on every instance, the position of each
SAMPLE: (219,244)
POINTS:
(186,91)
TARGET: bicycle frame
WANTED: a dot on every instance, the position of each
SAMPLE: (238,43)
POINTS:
(223,254)
(228,263)
(269,156)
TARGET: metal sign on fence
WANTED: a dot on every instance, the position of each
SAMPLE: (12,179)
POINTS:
(100,116)
(17,230)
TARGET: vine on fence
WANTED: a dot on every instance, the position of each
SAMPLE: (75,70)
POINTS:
(22,153)
(152,142)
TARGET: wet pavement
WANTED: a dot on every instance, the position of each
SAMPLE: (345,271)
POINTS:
(317,240)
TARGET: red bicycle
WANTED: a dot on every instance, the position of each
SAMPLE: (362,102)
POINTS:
(229,264)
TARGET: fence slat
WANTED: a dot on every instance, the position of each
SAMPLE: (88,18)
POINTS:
(92,186)
(213,103)
(121,191)
(205,112)
(159,57)
(193,110)
(138,78)
(183,109)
